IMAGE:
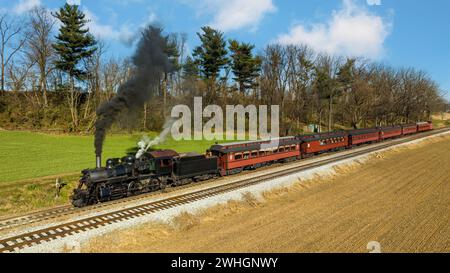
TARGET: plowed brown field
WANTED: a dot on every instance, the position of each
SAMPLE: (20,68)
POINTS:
(400,198)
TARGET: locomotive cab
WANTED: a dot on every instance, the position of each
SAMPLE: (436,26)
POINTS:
(161,161)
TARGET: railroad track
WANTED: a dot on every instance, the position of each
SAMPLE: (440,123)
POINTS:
(63,230)
(67,210)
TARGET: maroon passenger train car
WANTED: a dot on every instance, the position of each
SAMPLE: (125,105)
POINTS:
(236,157)
(424,126)
(409,129)
(319,143)
(390,132)
(363,136)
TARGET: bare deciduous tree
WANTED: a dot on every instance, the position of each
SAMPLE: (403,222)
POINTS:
(9,45)
(39,46)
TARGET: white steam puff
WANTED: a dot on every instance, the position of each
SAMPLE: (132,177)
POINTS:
(146,143)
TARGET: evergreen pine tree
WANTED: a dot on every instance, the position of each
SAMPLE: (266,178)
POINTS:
(172,52)
(190,69)
(244,65)
(211,55)
(73,42)
(345,75)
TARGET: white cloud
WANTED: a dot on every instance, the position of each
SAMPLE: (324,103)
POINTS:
(373,2)
(351,31)
(74,2)
(25,6)
(231,15)
(107,32)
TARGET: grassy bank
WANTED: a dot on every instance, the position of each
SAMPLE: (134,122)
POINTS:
(26,155)
(30,163)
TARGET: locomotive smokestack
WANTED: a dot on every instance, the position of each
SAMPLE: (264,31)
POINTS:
(98,161)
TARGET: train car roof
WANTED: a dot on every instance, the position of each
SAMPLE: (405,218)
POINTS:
(254,141)
(363,131)
(162,154)
(321,136)
(251,145)
(391,127)
(189,154)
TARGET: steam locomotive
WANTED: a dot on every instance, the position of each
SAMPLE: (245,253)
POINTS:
(130,176)
(157,170)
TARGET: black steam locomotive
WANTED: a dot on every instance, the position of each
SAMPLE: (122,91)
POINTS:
(130,176)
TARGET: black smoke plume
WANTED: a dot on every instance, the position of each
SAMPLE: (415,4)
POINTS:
(150,62)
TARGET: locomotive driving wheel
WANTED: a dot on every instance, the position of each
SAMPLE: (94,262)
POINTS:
(135,188)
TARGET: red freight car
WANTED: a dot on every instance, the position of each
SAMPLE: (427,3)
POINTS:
(362,136)
(315,144)
(424,126)
(409,129)
(390,132)
(236,157)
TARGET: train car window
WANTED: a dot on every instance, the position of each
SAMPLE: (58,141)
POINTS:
(254,154)
(281,149)
(246,155)
(238,156)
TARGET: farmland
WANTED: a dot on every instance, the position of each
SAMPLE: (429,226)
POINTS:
(398,198)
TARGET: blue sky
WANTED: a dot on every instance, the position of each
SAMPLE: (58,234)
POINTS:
(396,32)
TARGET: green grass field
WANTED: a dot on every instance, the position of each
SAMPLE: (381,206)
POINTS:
(25,155)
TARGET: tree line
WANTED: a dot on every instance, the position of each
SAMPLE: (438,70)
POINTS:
(54,75)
